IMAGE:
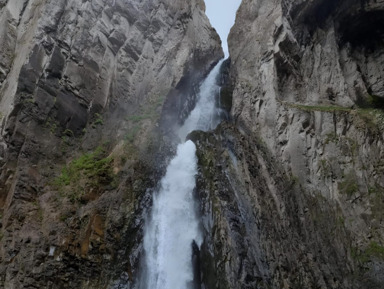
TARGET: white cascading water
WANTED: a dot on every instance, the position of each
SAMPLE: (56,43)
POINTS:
(174,225)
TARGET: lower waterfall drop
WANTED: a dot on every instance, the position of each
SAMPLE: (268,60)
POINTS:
(173,227)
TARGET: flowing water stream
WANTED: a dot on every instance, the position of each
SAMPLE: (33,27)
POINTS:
(174,224)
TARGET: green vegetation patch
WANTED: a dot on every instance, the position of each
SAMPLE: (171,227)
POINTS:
(331,138)
(131,135)
(51,125)
(372,114)
(349,185)
(372,117)
(98,120)
(326,168)
(376,194)
(324,108)
(69,133)
(150,112)
(373,251)
(91,171)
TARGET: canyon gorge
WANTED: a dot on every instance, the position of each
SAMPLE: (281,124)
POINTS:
(284,179)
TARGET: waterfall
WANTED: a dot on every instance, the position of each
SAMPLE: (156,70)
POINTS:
(205,115)
(174,226)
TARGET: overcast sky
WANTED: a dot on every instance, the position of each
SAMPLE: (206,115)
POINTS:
(222,15)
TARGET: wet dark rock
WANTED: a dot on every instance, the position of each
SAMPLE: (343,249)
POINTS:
(226,90)
(196,266)
(256,235)
(56,64)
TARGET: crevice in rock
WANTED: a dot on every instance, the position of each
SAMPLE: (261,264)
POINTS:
(364,30)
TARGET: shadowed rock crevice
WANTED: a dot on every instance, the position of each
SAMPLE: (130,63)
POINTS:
(364,30)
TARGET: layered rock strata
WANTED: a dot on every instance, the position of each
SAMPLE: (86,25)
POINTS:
(83,85)
(298,202)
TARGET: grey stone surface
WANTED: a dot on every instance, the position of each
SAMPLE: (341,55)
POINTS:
(75,76)
(291,190)
(307,165)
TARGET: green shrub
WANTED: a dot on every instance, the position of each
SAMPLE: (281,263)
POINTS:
(68,132)
(51,125)
(98,119)
(375,250)
(89,171)
(348,187)
(331,138)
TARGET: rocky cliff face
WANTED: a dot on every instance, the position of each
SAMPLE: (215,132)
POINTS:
(291,187)
(83,130)
(297,201)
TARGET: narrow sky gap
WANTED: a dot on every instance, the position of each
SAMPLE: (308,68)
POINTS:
(222,16)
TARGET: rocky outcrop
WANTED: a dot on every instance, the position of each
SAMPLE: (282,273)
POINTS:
(262,229)
(83,85)
(298,202)
(291,187)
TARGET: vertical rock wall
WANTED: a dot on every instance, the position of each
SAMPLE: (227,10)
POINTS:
(82,88)
(298,202)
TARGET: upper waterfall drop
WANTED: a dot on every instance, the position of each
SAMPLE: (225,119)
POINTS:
(206,114)
(173,226)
